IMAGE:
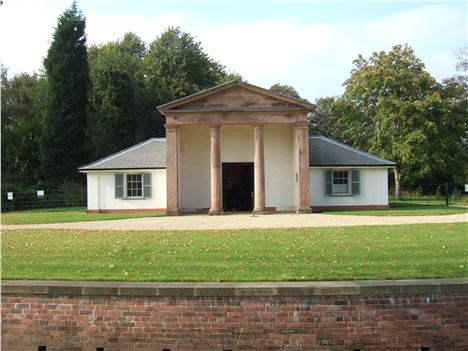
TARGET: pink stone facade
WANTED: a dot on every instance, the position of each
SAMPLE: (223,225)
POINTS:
(230,104)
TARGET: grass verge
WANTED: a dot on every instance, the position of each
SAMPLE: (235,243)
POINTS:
(63,215)
(338,253)
(405,209)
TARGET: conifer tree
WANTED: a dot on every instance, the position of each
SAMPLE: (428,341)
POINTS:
(65,118)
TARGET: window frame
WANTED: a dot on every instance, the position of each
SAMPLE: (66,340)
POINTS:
(348,182)
(353,182)
(125,186)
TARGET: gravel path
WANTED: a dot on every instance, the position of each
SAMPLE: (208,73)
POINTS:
(240,221)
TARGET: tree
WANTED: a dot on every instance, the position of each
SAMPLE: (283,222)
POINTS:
(452,132)
(62,143)
(461,55)
(177,66)
(119,103)
(324,119)
(285,90)
(392,107)
(22,108)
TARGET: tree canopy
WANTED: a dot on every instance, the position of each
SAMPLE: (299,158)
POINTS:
(286,90)
(22,108)
(393,108)
(117,99)
(177,66)
(62,142)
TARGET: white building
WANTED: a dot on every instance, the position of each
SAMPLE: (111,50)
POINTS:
(237,147)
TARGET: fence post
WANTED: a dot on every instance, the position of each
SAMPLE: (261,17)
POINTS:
(446,186)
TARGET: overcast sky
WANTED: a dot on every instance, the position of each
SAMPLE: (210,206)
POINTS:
(307,44)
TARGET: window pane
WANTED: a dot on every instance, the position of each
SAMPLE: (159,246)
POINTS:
(340,182)
(134,185)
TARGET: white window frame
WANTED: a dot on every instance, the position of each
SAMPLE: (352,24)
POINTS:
(126,181)
(144,186)
(348,183)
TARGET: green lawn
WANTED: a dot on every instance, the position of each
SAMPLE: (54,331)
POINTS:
(405,209)
(339,253)
(62,215)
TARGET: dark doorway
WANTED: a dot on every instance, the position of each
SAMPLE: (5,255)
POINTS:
(238,185)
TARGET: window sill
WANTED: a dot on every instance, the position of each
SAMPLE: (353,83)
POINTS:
(134,198)
(342,195)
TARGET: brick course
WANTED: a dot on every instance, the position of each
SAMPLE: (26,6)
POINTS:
(378,321)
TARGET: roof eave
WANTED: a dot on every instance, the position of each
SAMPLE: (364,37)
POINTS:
(118,169)
(353,165)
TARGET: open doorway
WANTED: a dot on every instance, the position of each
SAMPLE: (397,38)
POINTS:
(238,186)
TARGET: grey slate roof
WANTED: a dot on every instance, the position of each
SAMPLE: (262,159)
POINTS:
(148,154)
(324,152)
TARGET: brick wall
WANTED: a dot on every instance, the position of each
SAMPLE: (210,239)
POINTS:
(405,315)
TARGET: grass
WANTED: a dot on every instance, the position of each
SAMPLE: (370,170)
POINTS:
(338,253)
(78,214)
(405,209)
(63,215)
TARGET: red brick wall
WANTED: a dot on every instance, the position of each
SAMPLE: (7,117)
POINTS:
(407,321)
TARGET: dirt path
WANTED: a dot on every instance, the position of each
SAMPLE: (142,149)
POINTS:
(240,221)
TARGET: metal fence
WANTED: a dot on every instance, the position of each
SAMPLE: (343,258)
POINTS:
(431,194)
(34,199)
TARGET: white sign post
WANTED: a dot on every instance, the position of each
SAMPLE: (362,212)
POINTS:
(9,196)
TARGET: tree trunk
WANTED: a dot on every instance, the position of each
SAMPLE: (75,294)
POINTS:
(397,175)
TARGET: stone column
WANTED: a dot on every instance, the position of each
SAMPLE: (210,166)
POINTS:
(172,170)
(259,171)
(302,130)
(215,166)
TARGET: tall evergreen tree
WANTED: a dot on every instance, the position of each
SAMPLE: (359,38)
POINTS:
(63,135)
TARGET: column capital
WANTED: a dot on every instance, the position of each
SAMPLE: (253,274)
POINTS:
(215,126)
(258,125)
(302,125)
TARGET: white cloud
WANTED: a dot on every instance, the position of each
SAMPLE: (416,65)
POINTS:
(314,57)
(102,28)
(25,33)
(26,29)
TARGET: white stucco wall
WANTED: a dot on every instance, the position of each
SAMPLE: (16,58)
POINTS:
(279,167)
(237,145)
(373,189)
(194,167)
(101,192)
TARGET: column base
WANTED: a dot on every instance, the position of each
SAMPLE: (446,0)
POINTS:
(260,211)
(303,210)
(175,212)
(215,212)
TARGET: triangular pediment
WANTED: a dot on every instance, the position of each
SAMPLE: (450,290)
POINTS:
(235,96)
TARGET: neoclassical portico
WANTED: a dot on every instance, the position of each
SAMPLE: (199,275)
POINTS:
(256,109)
